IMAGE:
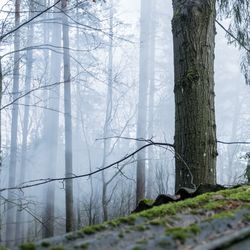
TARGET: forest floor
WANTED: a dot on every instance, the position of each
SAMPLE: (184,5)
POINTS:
(210,221)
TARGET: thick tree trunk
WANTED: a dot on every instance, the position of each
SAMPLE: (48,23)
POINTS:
(143,98)
(10,227)
(68,124)
(195,128)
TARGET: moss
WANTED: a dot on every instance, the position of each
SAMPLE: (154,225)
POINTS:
(121,235)
(246,218)
(223,215)
(93,229)
(163,243)
(83,246)
(182,233)
(214,205)
(156,222)
(140,228)
(137,248)
(45,244)
(71,236)
(243,195)
(148,201)
(28,246)
(57,248)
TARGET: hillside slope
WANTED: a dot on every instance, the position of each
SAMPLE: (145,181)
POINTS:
(190,224)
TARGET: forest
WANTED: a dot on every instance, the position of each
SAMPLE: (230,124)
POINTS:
(108,103)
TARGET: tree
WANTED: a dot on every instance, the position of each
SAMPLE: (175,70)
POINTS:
(67,122)
(10,228)
(52,123)
(143,97)
(28,75)
(195,128)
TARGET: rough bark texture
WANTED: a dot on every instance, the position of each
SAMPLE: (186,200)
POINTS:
(195,129)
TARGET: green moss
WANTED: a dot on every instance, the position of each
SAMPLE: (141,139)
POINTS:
(137,248)
(242,194)
(57,248)
(223,215)
(246,217)
(148,202)
(140,228)
(182,233)
(213,205)
(28,246)
(155,222)
(93,229)
(45,244)
(163,243)
(83,246)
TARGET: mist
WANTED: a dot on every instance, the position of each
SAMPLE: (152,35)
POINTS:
(84,86)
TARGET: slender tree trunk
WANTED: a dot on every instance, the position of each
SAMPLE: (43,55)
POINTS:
(10,228)
(68,124)
(52,126)
(151,99)
(195,128)
(109,107)
(142,104)
(29,64)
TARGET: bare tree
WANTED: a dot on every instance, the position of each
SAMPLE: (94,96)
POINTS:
(10,228)
(68,123)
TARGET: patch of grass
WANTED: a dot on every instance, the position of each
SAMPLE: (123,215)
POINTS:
(28,246)
(142,241)
(182,233)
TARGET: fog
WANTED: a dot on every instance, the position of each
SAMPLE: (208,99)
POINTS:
(104,55)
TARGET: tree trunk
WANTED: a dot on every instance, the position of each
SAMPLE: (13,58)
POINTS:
(52,125)
(68,123)
(29,64)
(108,118)
(151,100)
(195,129)
(142,104)
(10,228)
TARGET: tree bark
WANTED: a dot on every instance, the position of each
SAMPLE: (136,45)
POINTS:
(195,128)
(68,123)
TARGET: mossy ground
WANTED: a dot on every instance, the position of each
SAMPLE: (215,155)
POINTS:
(139,227)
